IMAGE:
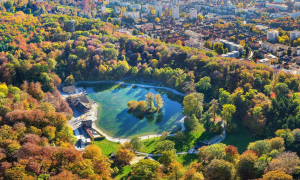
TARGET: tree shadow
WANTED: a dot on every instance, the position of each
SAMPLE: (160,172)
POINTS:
(159,117)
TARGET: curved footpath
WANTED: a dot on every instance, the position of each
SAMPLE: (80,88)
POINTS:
(215,140)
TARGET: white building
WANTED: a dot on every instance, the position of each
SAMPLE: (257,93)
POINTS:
(265,61)
(145,9)
(193,13)
(175,12)
(272,35)
(193,34)
(134,15)
(124,4)
(194,43)
(294,35)
(136,6)
(103,8)
(232,47)
(118,9)
(262,28)
(281,7)
(297,4)
(158,10)
(230,6)
(296,14)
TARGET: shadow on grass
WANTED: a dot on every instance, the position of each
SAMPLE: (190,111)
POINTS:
(185,159)
(106,146)
(192,138)
(124,172)
(240,139)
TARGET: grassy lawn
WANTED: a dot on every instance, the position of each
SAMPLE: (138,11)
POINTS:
(64,7)
(123,173)
(240,139)
(109,10)
(106,146)
(191,139)
(185,159)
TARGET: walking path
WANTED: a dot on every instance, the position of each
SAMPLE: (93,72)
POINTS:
(93,117)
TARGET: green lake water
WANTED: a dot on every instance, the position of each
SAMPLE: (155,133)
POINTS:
(114,119)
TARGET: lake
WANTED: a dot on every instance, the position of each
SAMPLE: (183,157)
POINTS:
(114,119)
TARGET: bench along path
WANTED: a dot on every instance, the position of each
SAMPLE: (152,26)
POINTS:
(214,140)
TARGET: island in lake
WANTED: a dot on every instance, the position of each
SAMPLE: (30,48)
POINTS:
(115,119)
(141,108)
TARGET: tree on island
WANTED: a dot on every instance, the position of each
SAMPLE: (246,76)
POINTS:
(143,107)
(149,100)
(159,101)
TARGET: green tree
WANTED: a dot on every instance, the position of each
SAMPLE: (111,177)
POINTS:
(49,132)
(225,50)
(70,80)
(159,101)
(136,142)
(180,136)
(206,121)
(214,108)
(193,174)
(193,104)
(167,158)
(255,55)
(232,38)
(145,169)
(286,134)
(277,175)
(204,85)
(135,32)
(246,165)
(191,123)
(46,107)
(165,145)
(268,89)
(164,135)
(224,97)
(134,71)
(220,169)
(218,47)
(260,147)
(228,111)
(207,44)
(124,156)
(215,151)
(176,170)
(149,100)
(281,89)
(8,4)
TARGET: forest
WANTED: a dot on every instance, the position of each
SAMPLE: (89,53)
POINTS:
(37,54)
